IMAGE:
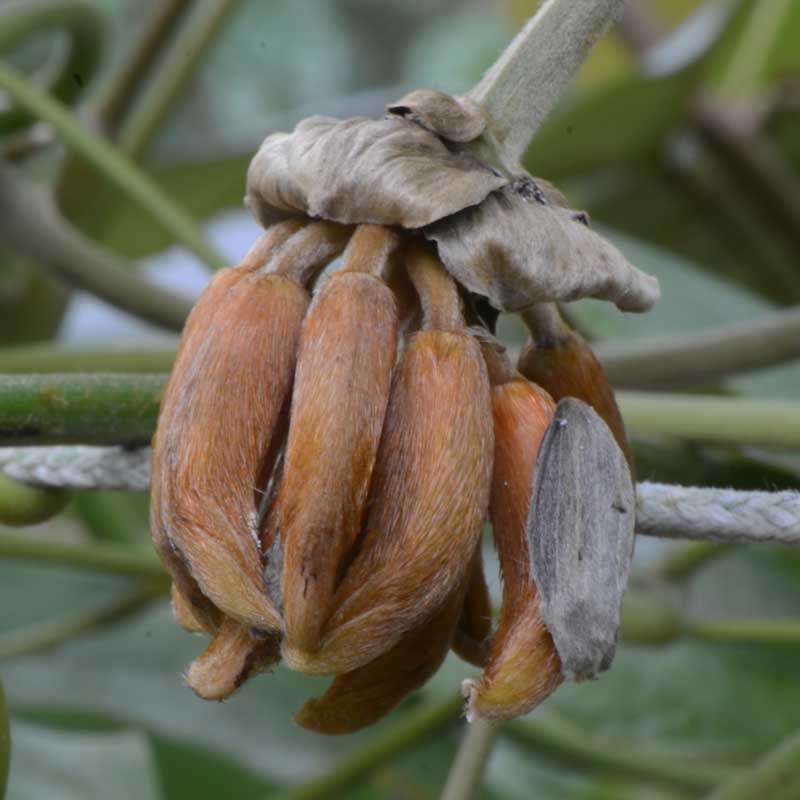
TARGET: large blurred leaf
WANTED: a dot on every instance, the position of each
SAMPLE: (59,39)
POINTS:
(184,771)
(31,305)
(784,58)
(103,212)
(624,122)
(81,766)
(692,300)
(5,742)
(705,218)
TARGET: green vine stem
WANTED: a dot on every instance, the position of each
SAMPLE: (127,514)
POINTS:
(719,420)
(408,732)
(112,164)
(33,227)
(22,505)
(466,774)
(765,632)
(110,559)
(79,409)
(648,620)
(115,97)
(44,358)
(205,20)
(114,408)
(562,742)
(705,357)
(85,26)
(775,777)
(48,635)
(5,743)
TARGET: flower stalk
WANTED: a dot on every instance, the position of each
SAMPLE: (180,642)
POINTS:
(521,89)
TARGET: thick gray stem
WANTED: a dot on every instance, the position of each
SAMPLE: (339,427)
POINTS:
(524,84)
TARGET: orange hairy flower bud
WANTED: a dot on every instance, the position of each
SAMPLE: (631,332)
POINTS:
(347,352)
(233,656)
(523,667)
(561,362)
(365,695)
(223,418)
(472,635)
(211,451)
(429,493)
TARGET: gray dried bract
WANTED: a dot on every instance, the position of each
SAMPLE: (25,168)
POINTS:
(388,172)
(581,529)
(518,248)
(457,119)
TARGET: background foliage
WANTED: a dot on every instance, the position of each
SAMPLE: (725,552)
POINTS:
(682,139)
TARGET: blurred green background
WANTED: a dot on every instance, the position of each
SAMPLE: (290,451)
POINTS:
(682,140)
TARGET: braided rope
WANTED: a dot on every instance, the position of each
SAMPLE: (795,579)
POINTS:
(680,512)
(718,515)
(78,467)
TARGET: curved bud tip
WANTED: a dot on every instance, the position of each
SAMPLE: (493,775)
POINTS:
(360,698)
(233,656)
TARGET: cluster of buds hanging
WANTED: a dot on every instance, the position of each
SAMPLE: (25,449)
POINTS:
(337,432)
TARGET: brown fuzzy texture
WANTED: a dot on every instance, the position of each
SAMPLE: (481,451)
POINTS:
(185,614)
(213,449)
(308,251)
(427,504)
(567,367)
(473,633)
(360,698)
(436,290)
(523,667)
(233,656)
(344,371)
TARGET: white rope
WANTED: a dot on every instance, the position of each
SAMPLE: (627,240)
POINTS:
(78,467)
(718,515)
(677,512)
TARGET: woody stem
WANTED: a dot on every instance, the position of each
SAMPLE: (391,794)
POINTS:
(464,780)
(524,84)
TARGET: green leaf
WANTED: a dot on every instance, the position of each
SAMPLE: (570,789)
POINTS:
(81,766)
(201,189)
(623,123)
(5,743)
(31,305)
(692,299)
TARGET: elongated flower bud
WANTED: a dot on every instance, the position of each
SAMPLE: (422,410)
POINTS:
(212,447)
(365,695)
(428,498)
(562,363)
(219,429)
(523,667)
(233,656)
(473,633)
(347,351)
